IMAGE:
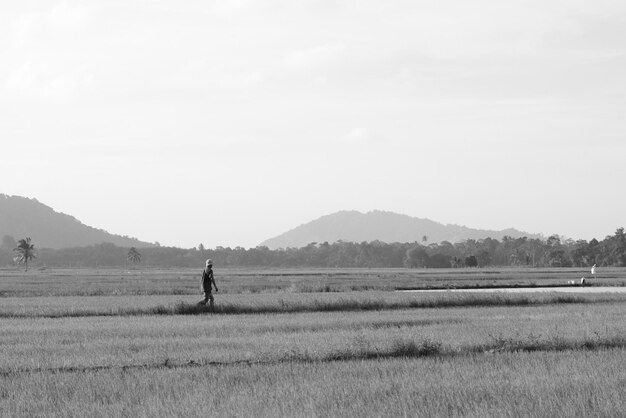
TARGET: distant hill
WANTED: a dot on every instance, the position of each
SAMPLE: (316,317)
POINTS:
(383,226)
(21,217)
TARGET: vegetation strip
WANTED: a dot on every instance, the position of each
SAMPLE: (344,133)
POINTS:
(518,252)
(341,305)
(400,348)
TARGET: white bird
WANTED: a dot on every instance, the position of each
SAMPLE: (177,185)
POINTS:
(593,269)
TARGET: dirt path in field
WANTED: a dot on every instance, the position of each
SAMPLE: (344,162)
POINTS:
(564,289)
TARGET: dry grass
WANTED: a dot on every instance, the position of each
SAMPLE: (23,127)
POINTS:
(60,307)
(115,282)
(314,354)
(509,384)
(116,341)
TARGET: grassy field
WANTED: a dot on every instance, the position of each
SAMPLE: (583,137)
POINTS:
(287,353)
(112,282)
(578,384)
(268,303)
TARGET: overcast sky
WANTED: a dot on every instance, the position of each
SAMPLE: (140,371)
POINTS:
(229,122)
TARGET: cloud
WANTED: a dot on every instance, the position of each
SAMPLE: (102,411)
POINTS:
(30,27)
(230,7)
(315,57)
(22,28)
(360,135)
(36,81)
(68,17)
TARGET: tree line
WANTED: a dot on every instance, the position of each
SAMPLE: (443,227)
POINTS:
(522,252)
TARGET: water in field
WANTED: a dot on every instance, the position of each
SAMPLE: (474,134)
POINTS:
(564,289)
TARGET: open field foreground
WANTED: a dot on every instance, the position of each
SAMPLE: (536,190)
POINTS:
(285,353)
(574,384)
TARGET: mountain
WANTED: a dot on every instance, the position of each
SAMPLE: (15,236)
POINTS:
(21,217)
(383,226)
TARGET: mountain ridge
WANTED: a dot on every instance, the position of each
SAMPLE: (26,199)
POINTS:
(351,225)
(22,217)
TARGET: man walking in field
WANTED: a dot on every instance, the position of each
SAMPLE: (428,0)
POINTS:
(206,284)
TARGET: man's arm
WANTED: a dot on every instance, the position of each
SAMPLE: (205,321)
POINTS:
(213,281)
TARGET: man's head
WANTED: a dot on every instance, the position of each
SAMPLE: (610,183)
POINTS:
(209,263)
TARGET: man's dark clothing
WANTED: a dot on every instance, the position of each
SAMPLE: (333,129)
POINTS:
(207,280)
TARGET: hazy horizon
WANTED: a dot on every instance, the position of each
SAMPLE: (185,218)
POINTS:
(230,122)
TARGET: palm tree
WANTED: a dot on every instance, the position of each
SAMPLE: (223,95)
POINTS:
(25,252)
(133,255)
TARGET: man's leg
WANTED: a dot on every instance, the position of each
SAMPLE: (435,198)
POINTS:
(207,296)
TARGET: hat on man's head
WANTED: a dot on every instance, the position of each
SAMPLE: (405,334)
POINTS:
(209,262)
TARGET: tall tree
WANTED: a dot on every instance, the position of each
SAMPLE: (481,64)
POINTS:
(133,255)
(471,261)
(25,251)
(416,257)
